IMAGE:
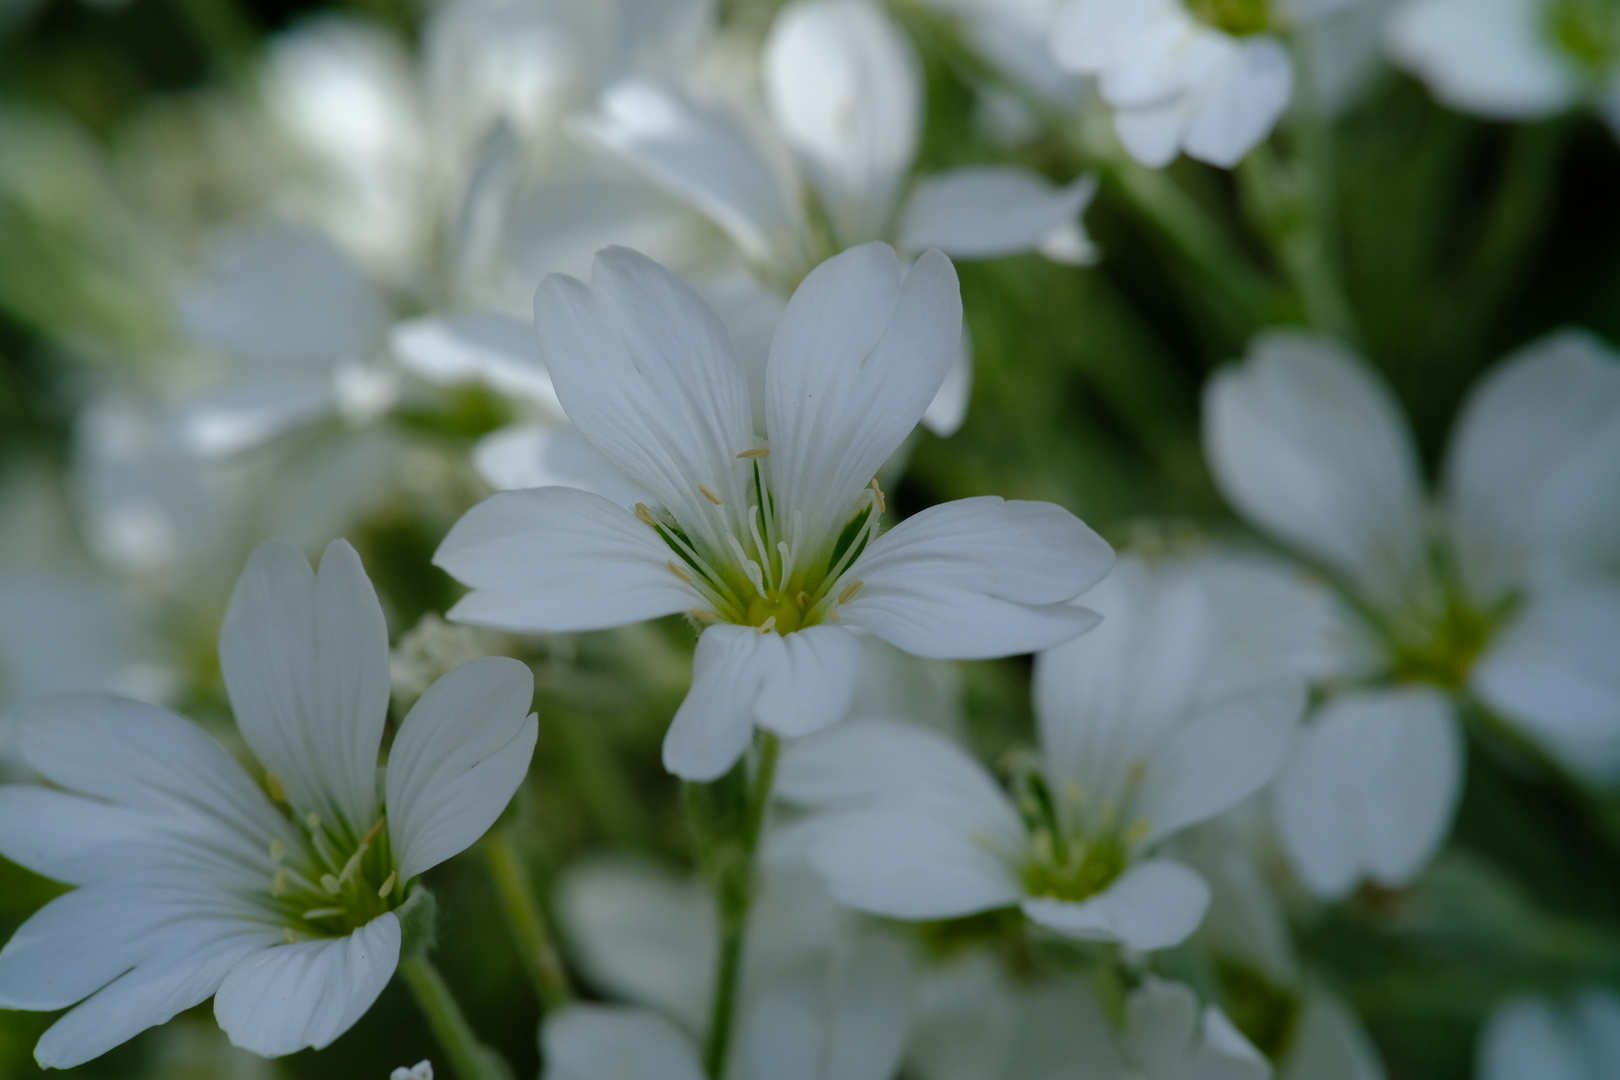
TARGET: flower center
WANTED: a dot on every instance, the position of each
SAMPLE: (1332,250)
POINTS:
(1065,862)
(1444,652)
(332,883)
(1588,31)
(752,565)
(1240,18)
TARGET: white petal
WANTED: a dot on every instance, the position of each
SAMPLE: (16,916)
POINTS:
(648,373)
(1526,1037)
(1491,57)
(1330,1044)
(946,412)
(1235,112)
(978,577)
(154,770)
(791,685)
(1371,789)
(1221,755)
(1168,1036)
(982,211)
(902,862)
(164,984)
(859,353)
(1089,35)
(845,89)
(305,660)
(1555,670)
(604,1042)
(289,997)
(250,412)
(704,158)
(476,347)
(844,1015)
(551,455)
(1153,905)
(555,559)
(1306,442)
(458,759)
(279,294)
(1533,472)
(65,837)
(866,761)
(1152,133)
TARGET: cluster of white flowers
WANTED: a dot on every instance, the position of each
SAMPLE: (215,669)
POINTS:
(619,312)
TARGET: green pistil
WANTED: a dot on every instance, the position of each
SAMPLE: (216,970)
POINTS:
(1588,31)
(775,612)
(1087,871)
(337,883)
(1447,655)
(1239,18)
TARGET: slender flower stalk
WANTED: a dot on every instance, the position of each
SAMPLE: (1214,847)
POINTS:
(472,1059)
(527,921)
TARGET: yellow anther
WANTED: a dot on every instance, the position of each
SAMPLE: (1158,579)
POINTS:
(312,819)
(322,912)
(676,569)
(646,515)
(757,452)
(803,600)
(768,625)
(1136,833)
(832,615)
(703,615)
(273,787)
(278,850)
(331,884)
(708,493)
(278,884)
(388,886)
(877,496)
(291,936)
(849,591)
(374,832)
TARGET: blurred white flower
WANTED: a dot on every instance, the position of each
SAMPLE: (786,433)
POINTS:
(1205,77)
(1512,59)
(1133,750)
(843,92)
(1498,592)
(769,540)
(192,881)
(422,1070)
(1168,1037)
(1534,1038)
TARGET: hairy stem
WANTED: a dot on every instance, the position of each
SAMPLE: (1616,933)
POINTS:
(526,921)
(730,859)
(470,1059)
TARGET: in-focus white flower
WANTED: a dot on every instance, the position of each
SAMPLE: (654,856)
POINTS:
(1512,59)
(1534,1038)
(422,1070)
(1208,78)
(192,880)
(1503,590)
(769,538)
(1133,750)
(843,91)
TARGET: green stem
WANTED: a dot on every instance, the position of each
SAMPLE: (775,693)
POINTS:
(734,887)
(526,921)
(470,1059)
(1319,257)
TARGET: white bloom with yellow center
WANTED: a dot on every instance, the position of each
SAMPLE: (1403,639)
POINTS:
(1137,744)
(281,901)
(769,539)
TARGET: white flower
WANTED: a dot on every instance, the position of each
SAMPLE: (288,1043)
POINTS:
(1533,1038)
(1167,1037)
(843,90)
(1511,59)
(1497,591)
(1203,78)
(192,881)
(422,1070)
(1133,750)
(769,539)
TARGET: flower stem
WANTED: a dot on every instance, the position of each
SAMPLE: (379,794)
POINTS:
(526,921)
(729,829)
(470,1059)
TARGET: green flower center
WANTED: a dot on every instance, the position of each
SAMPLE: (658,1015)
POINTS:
(1240,18)
(762,572)
(1066,862)
(1441,650)
(334,882)
(1588,31)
